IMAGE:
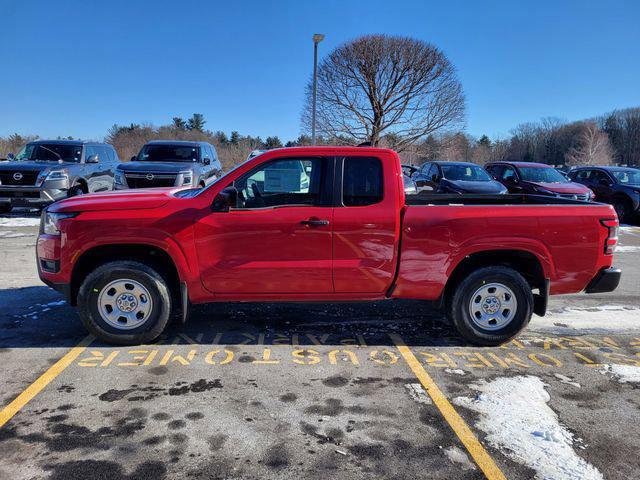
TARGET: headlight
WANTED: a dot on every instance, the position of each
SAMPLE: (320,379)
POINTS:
(187,177)
(58,174)
(118,178)
(51,222)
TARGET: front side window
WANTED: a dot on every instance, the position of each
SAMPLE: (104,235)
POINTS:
(50,152)
(281,183)
(168,153)
(627,176)
(90,151)
(508,174)
(361,181)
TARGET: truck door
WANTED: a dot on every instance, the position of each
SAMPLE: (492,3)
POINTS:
(366,225)
(278,239)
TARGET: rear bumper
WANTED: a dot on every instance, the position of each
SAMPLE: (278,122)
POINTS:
(606,280)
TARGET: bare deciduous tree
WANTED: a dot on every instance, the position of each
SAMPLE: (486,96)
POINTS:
(592,147)
(379,85)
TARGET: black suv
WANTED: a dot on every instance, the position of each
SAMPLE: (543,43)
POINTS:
(170,163)
(619,186)
(456,177)
(48,170)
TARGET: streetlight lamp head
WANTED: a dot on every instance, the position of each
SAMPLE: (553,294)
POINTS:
(318,37)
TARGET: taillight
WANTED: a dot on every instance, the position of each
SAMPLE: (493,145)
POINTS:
(611,241)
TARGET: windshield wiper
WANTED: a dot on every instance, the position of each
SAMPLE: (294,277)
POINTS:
(60,160)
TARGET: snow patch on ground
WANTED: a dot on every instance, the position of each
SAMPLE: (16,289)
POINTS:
(455,371)
(627,249)
(517,420)
(600,319)
(418,393)
(19,222)
(623,373)
(458,457)
(12,234)
(566,380)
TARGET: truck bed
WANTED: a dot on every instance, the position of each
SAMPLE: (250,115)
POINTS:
(424,198)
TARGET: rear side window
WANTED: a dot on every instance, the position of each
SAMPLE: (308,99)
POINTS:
(361,181)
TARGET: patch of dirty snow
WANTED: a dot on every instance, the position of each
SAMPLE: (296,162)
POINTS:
(455,371)
(12,234)
(458,457)
(566,380)
(516,417)
(623,373)
(19,222)
(627,249)
(418,393)
(593,320)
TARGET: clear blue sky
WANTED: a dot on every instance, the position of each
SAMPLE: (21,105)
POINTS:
(77,67)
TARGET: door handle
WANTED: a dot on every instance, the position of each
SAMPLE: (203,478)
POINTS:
(312,222)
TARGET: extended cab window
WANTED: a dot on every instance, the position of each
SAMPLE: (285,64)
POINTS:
(281,183)
(361,181)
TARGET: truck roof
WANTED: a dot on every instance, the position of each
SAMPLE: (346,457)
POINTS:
(186,143)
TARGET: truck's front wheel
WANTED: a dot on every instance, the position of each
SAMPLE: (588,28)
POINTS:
(491,305)
(125,302)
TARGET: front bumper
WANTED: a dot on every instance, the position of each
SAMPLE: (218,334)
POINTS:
(30,196)
(606,280)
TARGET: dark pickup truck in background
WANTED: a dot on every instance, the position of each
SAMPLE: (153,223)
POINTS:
(321,224)
(170,163)
(45,171)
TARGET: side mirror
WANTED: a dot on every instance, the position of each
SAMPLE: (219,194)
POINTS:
(133,159)
(226,199)
(206,161)
(434,178)
(11,156)
(92,159)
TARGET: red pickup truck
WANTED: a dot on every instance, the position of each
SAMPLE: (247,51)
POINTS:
(321,224)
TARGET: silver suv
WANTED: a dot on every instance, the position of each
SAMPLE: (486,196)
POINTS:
(48,170)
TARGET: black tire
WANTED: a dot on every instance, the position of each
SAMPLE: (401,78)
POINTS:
(458,306)
(5,208)
(153,325)
(623,209)
(75,191)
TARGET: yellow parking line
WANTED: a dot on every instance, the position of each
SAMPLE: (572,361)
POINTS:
(36,387)
(453,418)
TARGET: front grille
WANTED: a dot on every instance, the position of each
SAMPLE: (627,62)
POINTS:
(141,180)
(27,178)
(19,194)
(583,197)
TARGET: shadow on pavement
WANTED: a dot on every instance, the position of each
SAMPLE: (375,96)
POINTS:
(37,317)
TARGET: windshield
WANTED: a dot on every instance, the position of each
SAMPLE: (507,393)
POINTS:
(627,177)
(168,153)
(50,152)
(541,175)
(469,173)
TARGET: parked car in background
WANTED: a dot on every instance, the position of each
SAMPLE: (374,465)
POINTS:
(409,170)
(619,186)
(538,179)
(170,163)
(456,177)
(48,170)
(345,231)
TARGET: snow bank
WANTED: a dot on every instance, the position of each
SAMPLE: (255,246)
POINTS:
(627,249)
(517,420)
(623,373)
(19,222)
(593,320)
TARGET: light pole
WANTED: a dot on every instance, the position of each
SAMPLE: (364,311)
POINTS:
(317,38)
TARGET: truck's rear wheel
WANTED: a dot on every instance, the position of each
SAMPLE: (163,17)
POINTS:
(491,305)
(125,302)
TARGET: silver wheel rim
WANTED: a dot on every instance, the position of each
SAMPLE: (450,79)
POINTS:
(125,304)
(493,306)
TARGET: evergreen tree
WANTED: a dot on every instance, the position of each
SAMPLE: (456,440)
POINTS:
(484,141)
(272,142)
(196,122)
(179,123)
(235,137)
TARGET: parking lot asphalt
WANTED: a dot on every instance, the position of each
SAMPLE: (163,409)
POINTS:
(317,391)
